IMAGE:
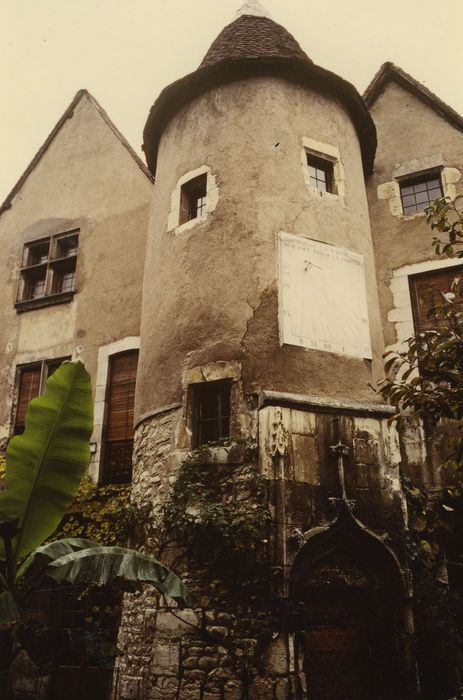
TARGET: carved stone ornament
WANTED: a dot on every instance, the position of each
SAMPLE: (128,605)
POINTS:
(279,437)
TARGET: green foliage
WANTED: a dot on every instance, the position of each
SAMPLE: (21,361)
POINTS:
(45,465)
(128,569)
(220,515)
(104,514)
(426,379)
(44,469)
(446,216)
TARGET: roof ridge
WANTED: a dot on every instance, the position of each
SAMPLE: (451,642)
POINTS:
(67,114)
(119,135)
(390,71)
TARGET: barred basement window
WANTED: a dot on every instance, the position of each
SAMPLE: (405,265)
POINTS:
(419,192)
(118,429)
(193,199)
(48,271)
(425,292)
(211,411)
(31,383)
(321,173)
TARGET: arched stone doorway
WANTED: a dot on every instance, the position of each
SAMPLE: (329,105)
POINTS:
(347,586)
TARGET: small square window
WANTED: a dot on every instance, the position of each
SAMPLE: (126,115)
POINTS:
(418,193)
(193,199)
(321,173)
(211,411)
(37,253)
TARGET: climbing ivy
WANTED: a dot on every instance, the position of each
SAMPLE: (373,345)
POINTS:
(104,514)
(219,514)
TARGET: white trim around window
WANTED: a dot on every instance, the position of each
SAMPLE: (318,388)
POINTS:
(104,353)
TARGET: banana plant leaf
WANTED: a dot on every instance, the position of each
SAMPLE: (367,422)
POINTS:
(45,465)
(124,567)
(38,560)
(9,613)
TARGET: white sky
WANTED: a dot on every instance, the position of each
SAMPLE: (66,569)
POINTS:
(125,51)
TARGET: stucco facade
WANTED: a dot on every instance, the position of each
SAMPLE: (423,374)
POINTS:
(275,183)
(86,180)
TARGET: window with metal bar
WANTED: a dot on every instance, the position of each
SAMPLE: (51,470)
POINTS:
(211,411)
(419,192)
(118,429)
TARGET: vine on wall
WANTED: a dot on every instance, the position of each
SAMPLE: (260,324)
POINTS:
(104,514)
(219,515)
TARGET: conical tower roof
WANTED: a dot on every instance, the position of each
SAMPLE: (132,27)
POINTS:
(254,45)
(253,35)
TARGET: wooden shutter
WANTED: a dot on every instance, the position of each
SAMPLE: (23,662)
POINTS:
(425,292)
(123,372)
(29,388)
(119,417)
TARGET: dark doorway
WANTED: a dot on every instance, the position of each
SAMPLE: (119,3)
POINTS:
(346,585)
(347,646)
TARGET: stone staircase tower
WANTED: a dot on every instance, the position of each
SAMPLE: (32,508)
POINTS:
(260,340)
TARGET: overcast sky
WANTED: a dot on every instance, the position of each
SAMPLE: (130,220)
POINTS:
(125,51)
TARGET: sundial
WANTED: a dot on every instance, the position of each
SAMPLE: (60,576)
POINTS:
(322,297)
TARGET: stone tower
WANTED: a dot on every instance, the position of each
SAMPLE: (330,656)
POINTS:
(260,343)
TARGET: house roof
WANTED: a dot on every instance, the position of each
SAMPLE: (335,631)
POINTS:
(389,71)
(42,150)
(254,45)
(253,37)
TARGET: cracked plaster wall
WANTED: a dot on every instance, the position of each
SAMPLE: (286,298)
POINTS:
(210,292)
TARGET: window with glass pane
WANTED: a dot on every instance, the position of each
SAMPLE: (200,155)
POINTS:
(31,383)
(49,268)
(211,411)
(320,173)
(426,291)
(193,199)
(418,193)
(118,430)
(36,287)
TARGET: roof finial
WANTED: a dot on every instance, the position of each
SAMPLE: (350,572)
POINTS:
(252,7)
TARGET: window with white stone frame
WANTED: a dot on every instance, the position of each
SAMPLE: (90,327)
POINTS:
(322,169)
(415,288)
(416,184)
(417,193)
(194,198)
(112,437)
